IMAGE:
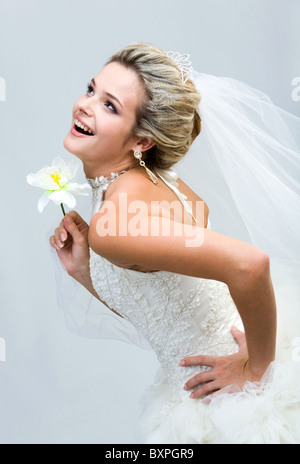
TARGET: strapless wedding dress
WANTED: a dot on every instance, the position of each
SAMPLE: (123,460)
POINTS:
(182,316)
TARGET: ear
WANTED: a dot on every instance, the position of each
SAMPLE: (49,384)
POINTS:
(143,144)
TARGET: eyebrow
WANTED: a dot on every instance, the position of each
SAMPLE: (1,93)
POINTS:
(108,94)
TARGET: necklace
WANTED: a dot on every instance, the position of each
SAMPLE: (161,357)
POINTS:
(103,182)
(99,186)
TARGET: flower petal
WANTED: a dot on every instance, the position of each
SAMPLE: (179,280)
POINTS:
(58,163)
(42,179)
(43,201)
(35,181)
(63,196)
(66,168)
(78,189)
(72,167)
(57,179)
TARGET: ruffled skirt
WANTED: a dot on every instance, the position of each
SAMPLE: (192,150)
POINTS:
(262,413)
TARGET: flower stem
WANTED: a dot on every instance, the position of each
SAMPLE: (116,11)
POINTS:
(63,209)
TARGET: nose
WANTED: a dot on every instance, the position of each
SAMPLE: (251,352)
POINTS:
(83,106)
(84,109)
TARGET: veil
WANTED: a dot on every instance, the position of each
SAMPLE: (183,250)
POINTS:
(246,165)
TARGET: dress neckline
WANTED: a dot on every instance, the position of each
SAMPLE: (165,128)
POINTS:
(102,181)
(169,177)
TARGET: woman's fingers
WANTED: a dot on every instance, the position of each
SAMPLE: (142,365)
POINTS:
(207,389)
(72,228)
(209,361)
(52,241)
(63,234)
(199,379)
(60,236)
(206,381)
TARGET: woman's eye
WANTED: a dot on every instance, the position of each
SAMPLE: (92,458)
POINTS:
(110,106)
(89,89)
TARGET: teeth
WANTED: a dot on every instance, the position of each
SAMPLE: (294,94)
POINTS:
(82,126)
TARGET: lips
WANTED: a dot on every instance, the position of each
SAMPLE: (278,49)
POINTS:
(81,129)
(77,134)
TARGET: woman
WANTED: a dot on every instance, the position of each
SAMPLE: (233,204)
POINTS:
(151,257)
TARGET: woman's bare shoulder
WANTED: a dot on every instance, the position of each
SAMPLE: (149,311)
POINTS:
(137,182)
(193,197)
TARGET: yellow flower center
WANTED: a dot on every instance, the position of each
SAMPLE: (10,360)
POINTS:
(56,177)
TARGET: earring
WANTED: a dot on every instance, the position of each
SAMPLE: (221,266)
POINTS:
(138,155)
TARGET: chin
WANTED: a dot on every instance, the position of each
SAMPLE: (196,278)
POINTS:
(72,147)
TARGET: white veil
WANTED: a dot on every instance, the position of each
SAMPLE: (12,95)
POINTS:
(246,165)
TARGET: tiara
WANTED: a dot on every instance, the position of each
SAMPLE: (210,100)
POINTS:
(183,63)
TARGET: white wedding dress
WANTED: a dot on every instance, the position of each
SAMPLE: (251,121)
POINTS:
(181,316)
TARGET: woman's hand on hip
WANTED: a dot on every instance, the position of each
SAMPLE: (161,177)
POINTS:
(225,370)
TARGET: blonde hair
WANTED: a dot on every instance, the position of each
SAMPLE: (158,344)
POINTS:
(169,113)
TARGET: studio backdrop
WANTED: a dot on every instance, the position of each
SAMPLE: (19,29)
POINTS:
(56,387)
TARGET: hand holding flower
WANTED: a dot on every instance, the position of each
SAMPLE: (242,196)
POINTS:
(70,240)
(71,237)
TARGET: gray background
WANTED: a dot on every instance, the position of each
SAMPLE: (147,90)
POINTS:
(56,387)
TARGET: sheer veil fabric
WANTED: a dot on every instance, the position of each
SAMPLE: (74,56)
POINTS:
(245,165)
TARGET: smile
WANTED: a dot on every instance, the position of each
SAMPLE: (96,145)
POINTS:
(80,128)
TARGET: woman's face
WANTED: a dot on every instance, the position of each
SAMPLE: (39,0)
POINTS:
(106,115)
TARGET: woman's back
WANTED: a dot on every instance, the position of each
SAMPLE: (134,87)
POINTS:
(178,315)
(170,198)
(182,316)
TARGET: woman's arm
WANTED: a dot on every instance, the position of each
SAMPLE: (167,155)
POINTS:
(257,307)
(71,243)
(202,253)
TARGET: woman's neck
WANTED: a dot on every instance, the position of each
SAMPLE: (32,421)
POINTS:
(93,171)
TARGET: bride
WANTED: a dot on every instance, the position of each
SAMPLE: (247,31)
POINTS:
(203,301)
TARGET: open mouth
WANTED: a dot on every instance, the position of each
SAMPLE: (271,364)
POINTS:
(82,129)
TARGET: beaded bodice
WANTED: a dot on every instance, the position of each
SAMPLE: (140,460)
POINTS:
(178,315)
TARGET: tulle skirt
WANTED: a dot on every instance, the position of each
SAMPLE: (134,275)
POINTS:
(267,412)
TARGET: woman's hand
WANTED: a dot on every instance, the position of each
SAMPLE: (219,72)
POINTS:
(71,243)
(227,370)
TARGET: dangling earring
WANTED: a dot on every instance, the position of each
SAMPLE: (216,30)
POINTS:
(138,155)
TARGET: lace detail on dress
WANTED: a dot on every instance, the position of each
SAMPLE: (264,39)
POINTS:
(99,186)
(178,315)
(169,177)
(183,316)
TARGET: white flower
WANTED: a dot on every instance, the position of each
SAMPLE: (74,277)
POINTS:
(56,181)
